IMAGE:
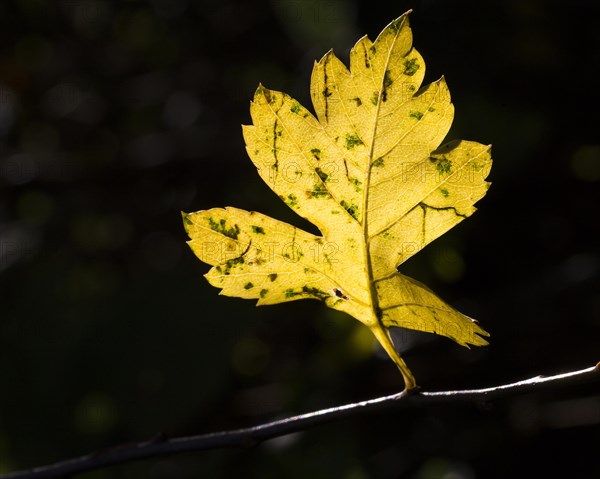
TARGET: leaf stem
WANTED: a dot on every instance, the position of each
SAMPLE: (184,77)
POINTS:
(383,336)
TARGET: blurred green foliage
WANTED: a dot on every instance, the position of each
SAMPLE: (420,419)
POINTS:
(114,116)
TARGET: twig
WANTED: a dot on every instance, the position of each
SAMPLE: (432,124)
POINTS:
(162,446)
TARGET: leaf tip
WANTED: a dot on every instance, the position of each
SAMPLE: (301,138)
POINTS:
(324,58)
(261,90)
(443,83)
(480,337)
(187,222)
(399,22)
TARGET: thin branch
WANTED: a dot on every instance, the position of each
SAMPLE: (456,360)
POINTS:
(162,446)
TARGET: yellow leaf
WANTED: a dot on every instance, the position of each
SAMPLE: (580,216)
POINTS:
(368,171)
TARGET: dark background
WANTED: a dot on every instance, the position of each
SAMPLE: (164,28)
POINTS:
(114,117)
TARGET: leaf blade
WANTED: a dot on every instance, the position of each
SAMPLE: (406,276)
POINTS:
(368,171)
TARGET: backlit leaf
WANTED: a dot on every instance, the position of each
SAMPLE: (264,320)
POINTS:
(368,170)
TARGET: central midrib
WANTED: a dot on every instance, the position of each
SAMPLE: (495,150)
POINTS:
(374,300)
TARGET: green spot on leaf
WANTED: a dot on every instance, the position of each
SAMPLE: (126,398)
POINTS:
(263,292)
(375,98)
(444,166)
(444,192)
(319,191)
(387,82)
(316,292)
(352,140)
(230,264)
(221,227)
(395,25)
(258,230)
(321,174)
(292,200)
(417,115)
(248,286)
(295,107)
(352,209)
(272,277)
(379,162)
(411,66)
(307,290)
(387,79)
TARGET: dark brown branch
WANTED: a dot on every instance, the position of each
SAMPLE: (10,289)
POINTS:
(251,436)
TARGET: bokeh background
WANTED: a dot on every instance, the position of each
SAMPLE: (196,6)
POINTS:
(115,116)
